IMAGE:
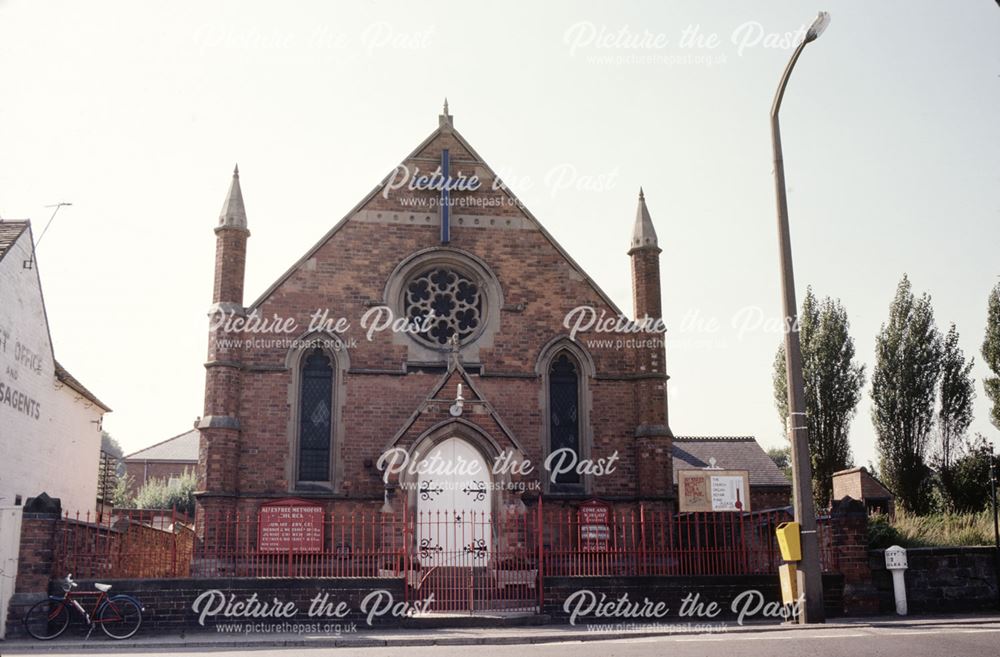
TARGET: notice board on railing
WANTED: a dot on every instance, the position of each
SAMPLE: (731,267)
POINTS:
(594,518)
(713,490)
(290,526)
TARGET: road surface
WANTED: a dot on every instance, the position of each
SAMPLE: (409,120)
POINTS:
(927,639)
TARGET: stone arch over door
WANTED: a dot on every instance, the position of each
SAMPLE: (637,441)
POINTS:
(453,496)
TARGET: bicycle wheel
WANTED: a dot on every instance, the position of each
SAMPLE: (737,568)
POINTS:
(47,619)
(119,617)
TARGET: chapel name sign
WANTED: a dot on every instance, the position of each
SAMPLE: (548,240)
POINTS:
(290,526)
(594,518)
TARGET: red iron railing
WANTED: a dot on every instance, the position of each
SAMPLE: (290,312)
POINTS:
(644,542)
(467,560)
(368,544)
(136,543)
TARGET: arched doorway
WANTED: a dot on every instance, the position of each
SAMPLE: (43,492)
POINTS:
(472,550)
(454,506)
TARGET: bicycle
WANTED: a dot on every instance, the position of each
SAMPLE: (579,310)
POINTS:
(119,616)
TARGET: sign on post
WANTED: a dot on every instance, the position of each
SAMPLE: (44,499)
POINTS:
(290,526)
(713,490)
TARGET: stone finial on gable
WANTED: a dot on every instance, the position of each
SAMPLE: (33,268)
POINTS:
(445,120)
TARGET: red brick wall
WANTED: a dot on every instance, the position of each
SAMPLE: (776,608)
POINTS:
(230,263)
(770,497)
(37,553)
(849,524)
(646,297)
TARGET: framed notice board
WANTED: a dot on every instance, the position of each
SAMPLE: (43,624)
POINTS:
(713,490)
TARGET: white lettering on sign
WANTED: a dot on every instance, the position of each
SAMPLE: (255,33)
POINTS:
(291,527)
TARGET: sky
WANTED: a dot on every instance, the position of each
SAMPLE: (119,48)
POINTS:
(136,113)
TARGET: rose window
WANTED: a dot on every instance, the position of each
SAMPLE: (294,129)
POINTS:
(452,301)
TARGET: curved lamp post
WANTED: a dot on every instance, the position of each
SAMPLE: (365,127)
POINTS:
(809,572)
(996,521)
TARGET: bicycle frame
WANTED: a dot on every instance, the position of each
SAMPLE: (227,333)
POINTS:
(70,600)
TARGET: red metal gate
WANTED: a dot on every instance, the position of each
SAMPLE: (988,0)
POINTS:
(468,562)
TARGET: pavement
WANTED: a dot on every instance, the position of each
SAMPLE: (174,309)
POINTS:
(986,626)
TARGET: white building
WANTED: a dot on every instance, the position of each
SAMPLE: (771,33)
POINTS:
(50,424)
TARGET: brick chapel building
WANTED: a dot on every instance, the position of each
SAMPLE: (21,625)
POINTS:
(310,417)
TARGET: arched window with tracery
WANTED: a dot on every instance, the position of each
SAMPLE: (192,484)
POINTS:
(565,412)
(315,423)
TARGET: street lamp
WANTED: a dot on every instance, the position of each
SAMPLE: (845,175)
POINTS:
(996,523)
(810,576)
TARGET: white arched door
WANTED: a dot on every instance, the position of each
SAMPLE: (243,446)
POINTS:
(454,497)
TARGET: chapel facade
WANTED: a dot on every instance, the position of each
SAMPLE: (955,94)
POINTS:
(486,370)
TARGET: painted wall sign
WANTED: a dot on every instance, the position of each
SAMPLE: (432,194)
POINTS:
(290,526)
(594,518)
(713,490)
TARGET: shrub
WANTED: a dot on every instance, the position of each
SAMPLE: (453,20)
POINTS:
(881,533)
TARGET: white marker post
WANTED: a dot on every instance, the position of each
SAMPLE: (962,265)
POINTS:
(895,562)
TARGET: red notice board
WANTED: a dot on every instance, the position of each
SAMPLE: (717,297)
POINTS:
(594,518)
(290,526)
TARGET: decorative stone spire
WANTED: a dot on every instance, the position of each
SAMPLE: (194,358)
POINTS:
(653,439)
(643,233)
(445,119)
(233,214)
(231,250)
(220,422)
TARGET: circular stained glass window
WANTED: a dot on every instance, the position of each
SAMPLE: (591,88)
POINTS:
(445,302)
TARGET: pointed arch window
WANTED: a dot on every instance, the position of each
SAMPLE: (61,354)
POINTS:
(564,412)
(315,417)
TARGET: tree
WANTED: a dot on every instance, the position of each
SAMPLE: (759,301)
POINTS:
(833,385)
(782,457)
(991,354)
(956,394)
(904,390)
(121,496)
(110,445)
(968,484)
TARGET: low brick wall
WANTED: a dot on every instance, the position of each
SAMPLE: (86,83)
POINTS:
(940,580)
(169,602)
(723,590)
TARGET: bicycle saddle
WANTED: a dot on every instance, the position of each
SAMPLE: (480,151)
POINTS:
(103,587)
